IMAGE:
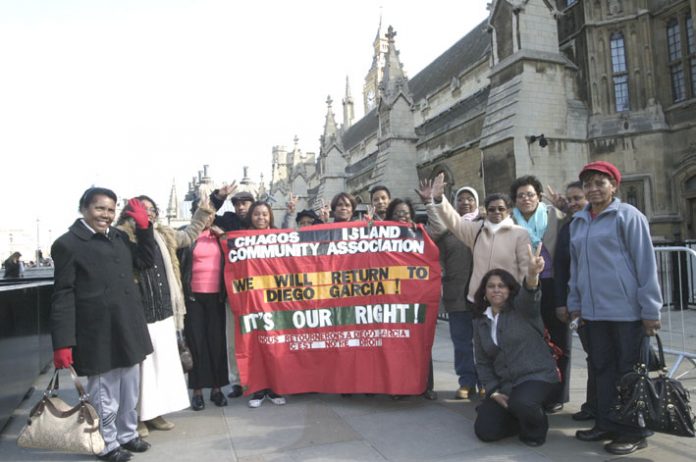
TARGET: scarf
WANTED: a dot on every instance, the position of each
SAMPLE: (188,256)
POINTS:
(176,292)
(536,226)
(494,227)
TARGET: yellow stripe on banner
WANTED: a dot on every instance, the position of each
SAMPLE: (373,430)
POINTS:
(330,278)
(336,291)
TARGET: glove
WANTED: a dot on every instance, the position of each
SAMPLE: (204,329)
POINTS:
(62,357)
(138,213)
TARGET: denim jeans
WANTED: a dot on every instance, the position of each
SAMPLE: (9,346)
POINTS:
(462,333)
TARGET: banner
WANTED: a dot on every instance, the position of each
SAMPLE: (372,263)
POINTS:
(334,308)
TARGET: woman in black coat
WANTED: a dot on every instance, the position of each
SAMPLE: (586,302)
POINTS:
(97,320)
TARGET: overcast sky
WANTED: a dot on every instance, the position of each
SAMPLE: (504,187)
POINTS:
(133,94)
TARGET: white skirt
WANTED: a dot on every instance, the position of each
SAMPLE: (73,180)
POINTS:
(162,383)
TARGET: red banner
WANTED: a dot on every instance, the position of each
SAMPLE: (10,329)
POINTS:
(335,308)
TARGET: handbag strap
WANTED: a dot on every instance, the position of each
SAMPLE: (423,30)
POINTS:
(645,352)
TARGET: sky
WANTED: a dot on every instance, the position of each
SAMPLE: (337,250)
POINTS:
(133,95)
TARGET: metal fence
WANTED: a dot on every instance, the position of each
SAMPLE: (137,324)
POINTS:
(676,271)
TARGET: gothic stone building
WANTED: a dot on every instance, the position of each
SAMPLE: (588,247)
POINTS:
(600,79)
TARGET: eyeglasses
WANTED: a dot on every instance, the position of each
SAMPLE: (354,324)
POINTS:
(402,213)
(496,209)
(152,210)
(526,195)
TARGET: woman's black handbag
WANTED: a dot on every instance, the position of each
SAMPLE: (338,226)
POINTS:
(657,403)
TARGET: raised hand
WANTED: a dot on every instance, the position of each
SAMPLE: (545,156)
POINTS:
(370,214)
(439,187)
(425,191)
(558,200)
(138,212)
(536,266)
(225,191)
(291,204)
(324,212)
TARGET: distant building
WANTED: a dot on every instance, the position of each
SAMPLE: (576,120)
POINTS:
(178,213)
(611,79)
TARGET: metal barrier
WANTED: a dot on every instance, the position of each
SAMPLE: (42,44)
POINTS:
(25,341)
(676,272)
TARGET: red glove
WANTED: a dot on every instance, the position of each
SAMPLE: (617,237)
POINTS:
(62,357)
(138,213)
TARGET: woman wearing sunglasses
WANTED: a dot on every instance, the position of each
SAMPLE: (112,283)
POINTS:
(495,243)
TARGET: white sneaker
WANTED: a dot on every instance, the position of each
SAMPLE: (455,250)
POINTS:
(276,399)
(257,400)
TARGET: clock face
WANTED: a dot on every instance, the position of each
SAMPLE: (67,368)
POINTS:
(371,98)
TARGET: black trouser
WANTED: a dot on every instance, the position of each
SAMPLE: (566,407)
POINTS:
(614,349)
(205,334)
(524,416)
(561,336)
(590,404)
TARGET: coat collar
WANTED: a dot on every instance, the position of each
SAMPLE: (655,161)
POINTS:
(80,230)
(584,214)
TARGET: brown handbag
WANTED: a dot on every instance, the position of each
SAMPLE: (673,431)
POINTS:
(184,352)
(57,426)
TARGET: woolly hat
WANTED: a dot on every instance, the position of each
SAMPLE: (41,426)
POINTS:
(471,191)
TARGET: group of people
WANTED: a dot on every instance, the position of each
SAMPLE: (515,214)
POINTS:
(516,273)
(515,281)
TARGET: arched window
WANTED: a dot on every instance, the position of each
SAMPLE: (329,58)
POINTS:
(619,72)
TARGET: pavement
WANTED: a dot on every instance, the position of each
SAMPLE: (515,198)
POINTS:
(316,427)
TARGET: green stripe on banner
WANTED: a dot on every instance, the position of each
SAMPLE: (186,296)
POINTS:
(387,313)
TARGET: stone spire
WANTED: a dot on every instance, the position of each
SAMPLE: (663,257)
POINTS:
(330,127)
(173,205)
(348,110)
(394,81)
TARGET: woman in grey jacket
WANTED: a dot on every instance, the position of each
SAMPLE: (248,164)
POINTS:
(513,360)
(613,287)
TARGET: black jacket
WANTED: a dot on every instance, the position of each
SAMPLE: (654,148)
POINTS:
(228,221)
(186,264)
(96,306)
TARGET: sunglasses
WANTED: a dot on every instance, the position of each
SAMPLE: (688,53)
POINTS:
(496,209)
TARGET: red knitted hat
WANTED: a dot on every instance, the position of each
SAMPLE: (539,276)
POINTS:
(603,167)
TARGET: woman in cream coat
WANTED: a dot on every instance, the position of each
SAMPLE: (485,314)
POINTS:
(496,242)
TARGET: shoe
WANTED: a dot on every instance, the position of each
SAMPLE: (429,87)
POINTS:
(143,432)
(117,455)
(137,444)
(346,395)
(626,445)
(553,408)
(582,415)
(257,400)
(197,403)
(275,398)
(430,395)
(462,393)
(398,397)
(236,391)
(532,442)
(218,398)
(158,423)
(593,434)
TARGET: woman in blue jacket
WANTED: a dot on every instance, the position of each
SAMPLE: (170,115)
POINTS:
(613,287)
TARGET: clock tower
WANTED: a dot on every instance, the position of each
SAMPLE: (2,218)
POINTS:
(374,75)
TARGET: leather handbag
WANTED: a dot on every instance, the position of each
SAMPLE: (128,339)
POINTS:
(57,426)
(184,352)
(657,403)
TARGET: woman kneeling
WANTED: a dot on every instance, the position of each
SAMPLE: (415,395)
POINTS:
(513,360)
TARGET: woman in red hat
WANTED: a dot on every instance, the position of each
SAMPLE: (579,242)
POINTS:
(614,289)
